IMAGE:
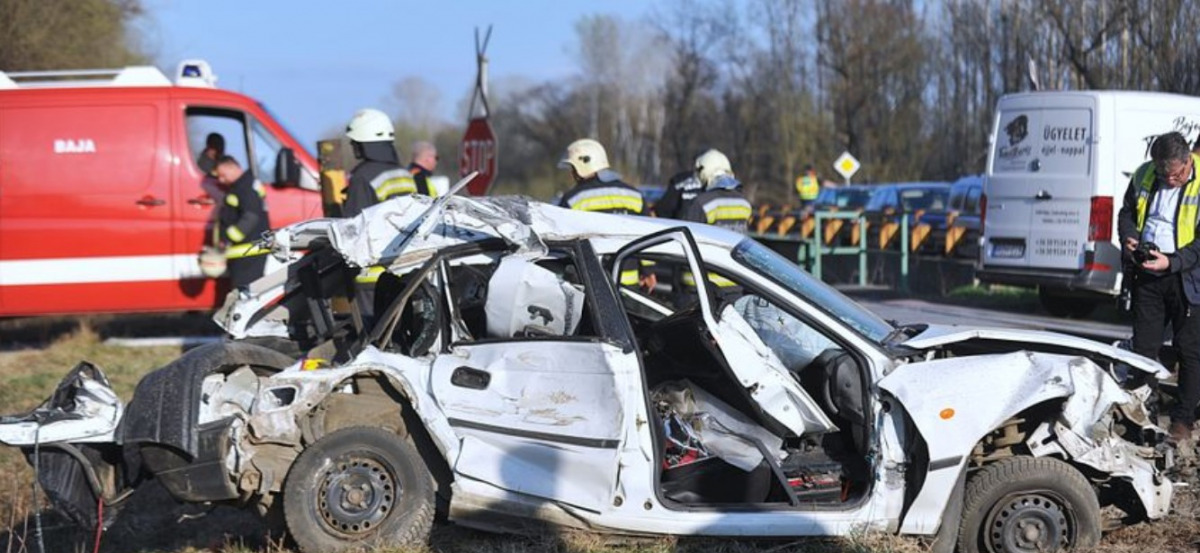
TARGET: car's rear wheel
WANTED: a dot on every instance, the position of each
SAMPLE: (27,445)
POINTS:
(1028,504)
(358,486)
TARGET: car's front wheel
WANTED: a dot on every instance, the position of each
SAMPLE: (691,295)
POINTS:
(1028,504)
(358,486)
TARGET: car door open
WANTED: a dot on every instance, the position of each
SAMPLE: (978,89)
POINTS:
(764,379)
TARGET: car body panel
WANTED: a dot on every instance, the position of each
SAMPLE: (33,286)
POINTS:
(541,426)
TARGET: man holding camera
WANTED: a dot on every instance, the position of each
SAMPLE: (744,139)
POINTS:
(1157,225)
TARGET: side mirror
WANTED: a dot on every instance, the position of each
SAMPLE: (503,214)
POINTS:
(287,171)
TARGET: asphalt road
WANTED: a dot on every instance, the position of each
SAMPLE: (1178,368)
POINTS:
(919,311)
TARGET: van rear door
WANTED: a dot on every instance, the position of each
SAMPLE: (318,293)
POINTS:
(1040,182)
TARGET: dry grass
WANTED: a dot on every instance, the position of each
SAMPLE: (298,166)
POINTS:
(151,522)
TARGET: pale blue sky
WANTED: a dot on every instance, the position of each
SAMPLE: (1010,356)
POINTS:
(315,64)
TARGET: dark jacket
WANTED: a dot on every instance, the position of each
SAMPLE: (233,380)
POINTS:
(609,195)
(243,216)
(420,176)
(681,190)
(377,157)
(1186,259)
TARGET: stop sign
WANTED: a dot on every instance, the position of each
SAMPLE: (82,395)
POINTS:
(478,153)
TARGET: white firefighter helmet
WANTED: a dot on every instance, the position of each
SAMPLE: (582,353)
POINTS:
(370,125)
(710,164)
(587,157)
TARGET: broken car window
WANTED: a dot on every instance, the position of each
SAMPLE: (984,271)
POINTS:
(793,341)
(787,274)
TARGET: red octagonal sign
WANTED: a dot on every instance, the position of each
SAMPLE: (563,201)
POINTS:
(478,153)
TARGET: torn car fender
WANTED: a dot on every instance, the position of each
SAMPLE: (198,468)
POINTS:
(942,335)
(955,402)
(408,376)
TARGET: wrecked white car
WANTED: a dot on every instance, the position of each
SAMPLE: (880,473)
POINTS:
(508,372)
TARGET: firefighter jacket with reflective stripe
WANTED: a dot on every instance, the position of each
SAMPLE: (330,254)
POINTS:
(243,216)
(723,208)
(611,196)
(1143,185)
(362,190)
(420,177)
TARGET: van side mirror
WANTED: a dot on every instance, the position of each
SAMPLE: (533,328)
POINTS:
(287,171)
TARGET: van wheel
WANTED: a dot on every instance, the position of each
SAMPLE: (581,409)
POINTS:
(358,486)
(1028,504)
(1065,306)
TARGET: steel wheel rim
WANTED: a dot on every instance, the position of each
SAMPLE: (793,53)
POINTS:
(1029,522)
(355,493)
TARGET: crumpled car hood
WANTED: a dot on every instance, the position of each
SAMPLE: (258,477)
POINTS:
(940,335)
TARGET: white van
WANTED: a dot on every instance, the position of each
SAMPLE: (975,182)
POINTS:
(1059,165)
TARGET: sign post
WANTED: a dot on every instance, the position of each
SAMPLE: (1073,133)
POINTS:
(846,165)
(477,153)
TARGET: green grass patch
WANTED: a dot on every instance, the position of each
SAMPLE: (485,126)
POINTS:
(998,297)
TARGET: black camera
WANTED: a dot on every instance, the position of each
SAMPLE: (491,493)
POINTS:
(1142,253)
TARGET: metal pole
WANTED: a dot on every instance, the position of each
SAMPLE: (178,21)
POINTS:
(818,233)
(904,253)
(862,248)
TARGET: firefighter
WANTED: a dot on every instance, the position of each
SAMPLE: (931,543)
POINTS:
(722,203)
(378,176)
(242,220)
(424,162)
(599,188)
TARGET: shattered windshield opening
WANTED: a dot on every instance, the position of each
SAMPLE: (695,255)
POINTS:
(787,274)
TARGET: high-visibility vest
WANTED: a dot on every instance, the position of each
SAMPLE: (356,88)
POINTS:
(807,186)
(1189,204)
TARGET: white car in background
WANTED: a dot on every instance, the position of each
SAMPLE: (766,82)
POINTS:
(503,376)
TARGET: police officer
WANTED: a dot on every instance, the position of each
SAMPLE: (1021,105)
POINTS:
(378,176)
(682,188)
(242,220)
(722,203)
(1161,206)
(424,162)
(597,187)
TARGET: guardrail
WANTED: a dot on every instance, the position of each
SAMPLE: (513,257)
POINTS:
(830,233)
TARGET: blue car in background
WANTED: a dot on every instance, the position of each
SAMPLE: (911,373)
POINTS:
(888,201)
(965,213)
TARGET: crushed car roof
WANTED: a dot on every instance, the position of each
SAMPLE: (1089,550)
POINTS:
(407,225)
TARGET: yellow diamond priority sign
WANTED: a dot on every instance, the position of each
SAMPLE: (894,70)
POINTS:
(846,165)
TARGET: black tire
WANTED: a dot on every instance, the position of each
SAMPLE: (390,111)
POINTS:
(385,493)
(1032,504)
